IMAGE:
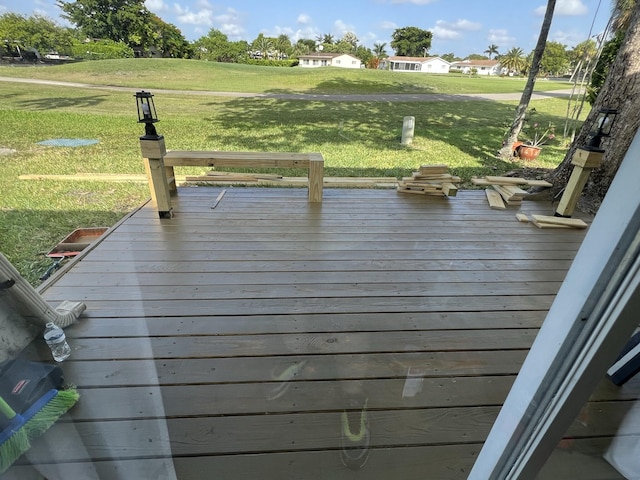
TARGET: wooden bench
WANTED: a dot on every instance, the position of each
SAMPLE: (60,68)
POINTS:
(159,167)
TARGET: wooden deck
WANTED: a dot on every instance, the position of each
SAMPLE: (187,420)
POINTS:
(423,306)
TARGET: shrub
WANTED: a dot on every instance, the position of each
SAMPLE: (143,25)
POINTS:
(101,50)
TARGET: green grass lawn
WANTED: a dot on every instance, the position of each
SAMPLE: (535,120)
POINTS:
(229,77)
(356,138)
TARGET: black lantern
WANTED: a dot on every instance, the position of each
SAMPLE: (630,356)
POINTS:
(601,129)
(147,115)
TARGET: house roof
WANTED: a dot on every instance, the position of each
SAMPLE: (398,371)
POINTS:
(478,63)
(326,56)
(414,59)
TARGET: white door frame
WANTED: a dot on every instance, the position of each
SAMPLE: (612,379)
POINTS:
(590,321)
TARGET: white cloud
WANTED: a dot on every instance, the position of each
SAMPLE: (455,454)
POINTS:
(460,24)
(230,23)
(567,38)
(304,19)
(500,37)
(156,5)
(232,30)
(341,28)
(387,25)
(440,32)
(452,30)
(204,16)
(565,8)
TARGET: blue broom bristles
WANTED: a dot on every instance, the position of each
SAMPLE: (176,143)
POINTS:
(16,438)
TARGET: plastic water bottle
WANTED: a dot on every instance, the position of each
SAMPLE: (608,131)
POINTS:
(57,341)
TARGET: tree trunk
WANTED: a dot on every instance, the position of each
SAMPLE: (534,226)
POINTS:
(621,91)
(521,110)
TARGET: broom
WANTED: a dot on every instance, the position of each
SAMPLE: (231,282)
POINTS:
(16,437)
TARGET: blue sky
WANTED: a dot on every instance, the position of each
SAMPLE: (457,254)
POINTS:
(459,26)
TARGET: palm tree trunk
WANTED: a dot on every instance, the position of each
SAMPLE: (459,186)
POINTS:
(521,111)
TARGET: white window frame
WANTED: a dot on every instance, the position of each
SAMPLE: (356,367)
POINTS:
(590,321)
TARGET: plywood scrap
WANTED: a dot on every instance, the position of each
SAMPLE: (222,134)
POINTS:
(430,180)
(494,199)
(548,221)
(522,218)
(492,180)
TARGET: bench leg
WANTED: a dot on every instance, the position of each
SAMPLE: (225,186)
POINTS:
(158,186)
(316,178)
(171,180)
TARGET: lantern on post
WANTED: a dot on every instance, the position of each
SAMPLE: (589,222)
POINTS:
(147,114)
(585,159)
(601,128)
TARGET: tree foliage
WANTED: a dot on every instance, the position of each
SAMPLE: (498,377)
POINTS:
(514,60)
(555,59)
(492,50)
(411,41)
(36,32)
(169,39)
(601,71)
(126,21)
(379,50)
(216,47)
(101,50)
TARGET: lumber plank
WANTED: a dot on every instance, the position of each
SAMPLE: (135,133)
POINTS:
(550,225)
(506,180)
(449,189)
(568,222)
(495,199)
(522,217)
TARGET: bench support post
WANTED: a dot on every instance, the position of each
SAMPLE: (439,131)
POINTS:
(316,177)
(153,152)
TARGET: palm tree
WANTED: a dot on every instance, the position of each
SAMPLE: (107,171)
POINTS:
(351,39)
(492,50)
(621,14)
(264,46)
(327,38)
(379,50)
(514,60)
(521,110)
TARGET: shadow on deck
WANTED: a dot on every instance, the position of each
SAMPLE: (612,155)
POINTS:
(229,342)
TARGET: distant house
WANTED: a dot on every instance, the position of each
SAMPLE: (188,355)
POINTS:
(415,64)
(319,59)
(482,67)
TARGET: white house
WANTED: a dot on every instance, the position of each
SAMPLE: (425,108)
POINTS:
(415,64)
(319,59)
(482,67)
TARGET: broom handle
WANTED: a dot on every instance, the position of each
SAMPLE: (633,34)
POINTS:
(6,410)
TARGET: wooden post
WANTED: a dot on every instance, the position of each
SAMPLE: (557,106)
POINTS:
(408,125)
(583,161)
(316,177)
(153,152)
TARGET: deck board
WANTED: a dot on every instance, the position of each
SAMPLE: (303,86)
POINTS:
(190,320)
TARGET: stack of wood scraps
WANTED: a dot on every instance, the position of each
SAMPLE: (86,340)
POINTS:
(548,221)
(430,180)
(506,190)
